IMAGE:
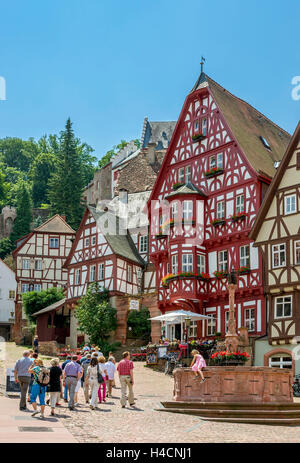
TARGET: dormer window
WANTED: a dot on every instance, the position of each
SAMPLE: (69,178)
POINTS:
(265,143)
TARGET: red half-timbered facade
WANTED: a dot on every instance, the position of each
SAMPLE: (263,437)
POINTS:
(218,166)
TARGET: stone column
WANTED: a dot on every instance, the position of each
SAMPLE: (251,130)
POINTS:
(231,337)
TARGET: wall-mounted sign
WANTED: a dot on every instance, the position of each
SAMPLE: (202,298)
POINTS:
(134,304)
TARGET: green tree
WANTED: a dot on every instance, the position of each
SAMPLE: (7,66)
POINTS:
(18,153)
(111,153)
(96,317)
(6,246)
(34,301)
(23,220)
(43,166)
(138,323)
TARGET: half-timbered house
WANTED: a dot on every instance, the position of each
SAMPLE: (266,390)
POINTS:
(39,258)
(276,232)
(218,166)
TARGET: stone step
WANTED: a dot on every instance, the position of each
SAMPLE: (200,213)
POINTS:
(232,405)
(247,416)
(239,413)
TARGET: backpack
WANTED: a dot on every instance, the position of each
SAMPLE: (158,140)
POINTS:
(44,377)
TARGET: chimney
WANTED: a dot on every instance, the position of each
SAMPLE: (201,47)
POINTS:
(150,155)
(63,217)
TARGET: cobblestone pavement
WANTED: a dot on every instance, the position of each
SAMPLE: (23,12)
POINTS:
(113,424)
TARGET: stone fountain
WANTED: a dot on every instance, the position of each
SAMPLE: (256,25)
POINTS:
(244,394)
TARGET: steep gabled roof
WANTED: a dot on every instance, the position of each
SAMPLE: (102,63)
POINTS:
(56,305)
(55,224)
(248,125)
(159,133)
(295,140)
(186,189)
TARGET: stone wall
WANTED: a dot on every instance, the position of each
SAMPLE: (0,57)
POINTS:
(48,348)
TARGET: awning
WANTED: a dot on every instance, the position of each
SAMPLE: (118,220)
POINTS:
(51,307)
(178,316)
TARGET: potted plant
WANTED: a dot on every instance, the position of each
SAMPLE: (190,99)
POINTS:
(197,137)
(239,216)
(224,358)
(218,222)
(243,270)
(173,346)
(221,274)
(203,276)
(213,172)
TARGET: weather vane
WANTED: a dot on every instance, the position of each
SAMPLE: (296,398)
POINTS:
(202,62)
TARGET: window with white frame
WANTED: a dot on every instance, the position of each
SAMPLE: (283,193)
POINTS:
(77,276)
(187,210)
(200,263)
(181,175)
(187,174)
(86,242)
(222,260)
(280,361)
(226,320)
(250,319)
(174,263)
(144,243)
(220,209)
(187,262)
(196,126)
(192,333)
(38,264)
(25,264)
(211,326)
(101,271)
(94,240)
(25,287)
(92,272)
(244,256)
(290,205)
(129,273)
(38,287)
(283,307)
(204,126)
(216,161)
(297,252)
(54,243)
(239,204)
(174,209)
(278,255)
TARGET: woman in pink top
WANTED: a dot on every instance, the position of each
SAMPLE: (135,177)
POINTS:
(197,364)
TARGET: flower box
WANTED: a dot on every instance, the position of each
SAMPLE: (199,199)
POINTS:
(160,236)
(213,172)
(243,270)
(197,137)
(221,274)
(229,358)
(177,185)
(218,222)
(237,217)
(203,276)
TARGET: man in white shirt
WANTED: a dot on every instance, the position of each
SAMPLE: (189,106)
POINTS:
(110,368)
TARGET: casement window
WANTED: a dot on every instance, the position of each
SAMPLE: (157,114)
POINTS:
(93,273)
(222,260)
(94,240)
(38,287)
(12,294)
(278,255)
(101,271)
(196,126)
(239,204)
(187,174)
(290,204)
(250,319)
(297,252)
(211,326)
(187,262)
(244,256)
(77,276)
(200,263)
(86,242)
(193,329)
(181,175)
(38,264)
(25,264)
(226,320)
(129,273)
(204,126)
(144,243)
(221,210)
(174,210)
(216,161)
(174,263)
(54,243)
(187,210)
(25,287)
(281,361)
(283,307)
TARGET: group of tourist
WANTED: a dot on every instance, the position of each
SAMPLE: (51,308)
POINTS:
(90,371)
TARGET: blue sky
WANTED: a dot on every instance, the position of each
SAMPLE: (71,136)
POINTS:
(108,64)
